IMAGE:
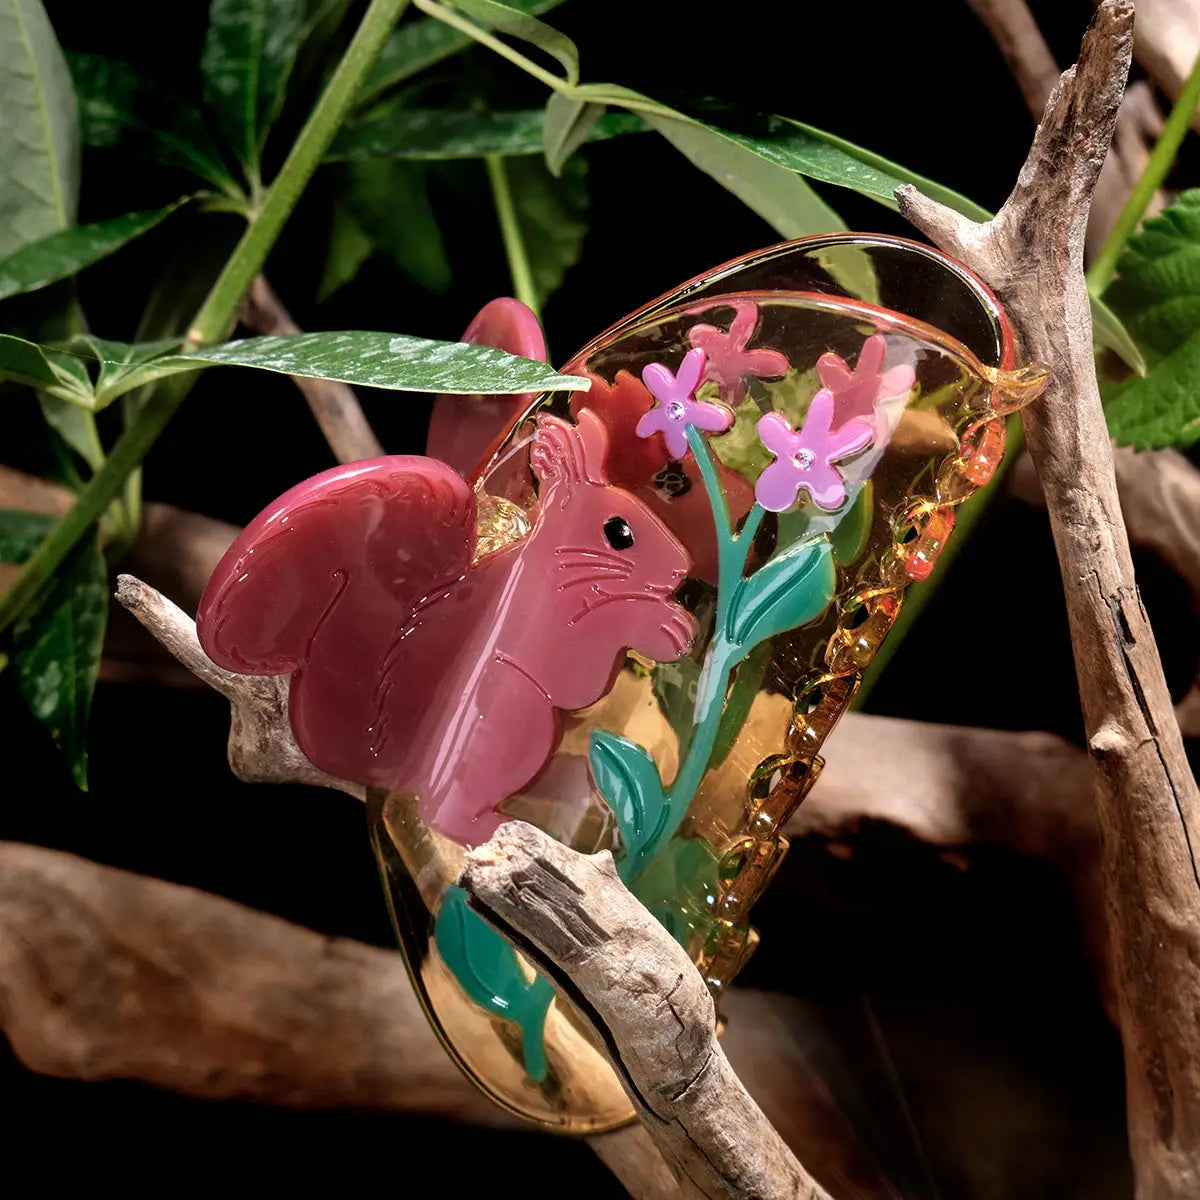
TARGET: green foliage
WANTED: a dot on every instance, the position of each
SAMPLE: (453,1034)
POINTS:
(67,252)
(56,651)
(39,132)
(248,56)
(550,215)
(396,131)
(1157,291)
(371,193)
(381,360)
(515,22)
(122,109)
(424,42)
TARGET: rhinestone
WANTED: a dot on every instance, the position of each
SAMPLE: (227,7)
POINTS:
(675,410)
(804,459)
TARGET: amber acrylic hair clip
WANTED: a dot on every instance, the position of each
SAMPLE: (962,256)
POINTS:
(629,615)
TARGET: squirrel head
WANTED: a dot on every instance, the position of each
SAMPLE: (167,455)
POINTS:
(613,565)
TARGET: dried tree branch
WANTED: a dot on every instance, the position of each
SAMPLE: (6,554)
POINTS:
(333,404)
(1147,803)
(646,1000)
(108,975)
(261,746)
(1166,42)
(1139,122)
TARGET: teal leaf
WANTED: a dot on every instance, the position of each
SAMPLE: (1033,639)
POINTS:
(566,125)
(382,360)
(20,533)
(490,973)
(248,56)
(679,886)
(122,109)
(625,775)
(784,593)
(47,370)
(396,131)
(61,254)
(520,24)
(551,216)
(372,193)
(39,131)
(776,193)
(56,651)
(417,44)
(1157,292)
(349,247)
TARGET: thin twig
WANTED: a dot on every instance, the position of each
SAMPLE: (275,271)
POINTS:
(1146,799)
(333,404)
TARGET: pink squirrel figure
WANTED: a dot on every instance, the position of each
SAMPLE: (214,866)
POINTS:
(415,668)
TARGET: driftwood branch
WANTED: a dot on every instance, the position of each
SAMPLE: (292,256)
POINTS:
(648,1003)
(1139,121)
(108,975)
(1146,799)
(261,746)
(334,405)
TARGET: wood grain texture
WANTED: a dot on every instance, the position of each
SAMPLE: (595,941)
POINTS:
(1147,804)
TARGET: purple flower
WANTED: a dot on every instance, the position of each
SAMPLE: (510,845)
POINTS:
(676,409)
(805,459)
(729,362)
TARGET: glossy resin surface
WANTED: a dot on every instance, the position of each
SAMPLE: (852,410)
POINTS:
(636,620)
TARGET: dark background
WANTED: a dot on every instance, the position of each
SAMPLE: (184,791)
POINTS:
(907,961)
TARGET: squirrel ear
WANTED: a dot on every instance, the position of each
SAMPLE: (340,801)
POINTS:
(566,453)
(593,439)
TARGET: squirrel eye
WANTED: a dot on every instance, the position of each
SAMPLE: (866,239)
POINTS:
(618,533)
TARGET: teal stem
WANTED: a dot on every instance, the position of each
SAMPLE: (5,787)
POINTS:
(732,552)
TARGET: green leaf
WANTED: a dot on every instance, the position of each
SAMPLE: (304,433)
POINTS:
(39,132)
(118,361)
(777,194)
(625,775)
(1157,292)
(566,125)
(68,251)
(119,108)
(784,593)
(551,215)
(247,59)
(383,360)
(389,201)
(56,651)
(349,247)
(75,425)
(45,369)
(519,24)
(1110,334)
(415,45)
(394,131)
(20,533)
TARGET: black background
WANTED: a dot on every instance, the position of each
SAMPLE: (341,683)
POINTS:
(979,965)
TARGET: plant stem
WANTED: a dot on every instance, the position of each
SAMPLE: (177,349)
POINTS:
(510,230)
(219,311)
(476,33)
(1162,157)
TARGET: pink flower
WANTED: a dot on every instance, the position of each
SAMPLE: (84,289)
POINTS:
(729,362)
(856,393)
(805,459)
(676,409)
